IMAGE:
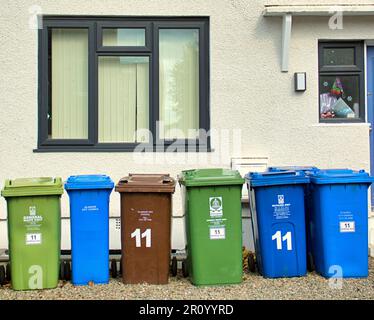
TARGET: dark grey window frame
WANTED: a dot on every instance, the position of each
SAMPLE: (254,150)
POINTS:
(128,25)
(357,69)
(95,24)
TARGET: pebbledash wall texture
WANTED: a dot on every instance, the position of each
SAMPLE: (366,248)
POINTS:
(248,91)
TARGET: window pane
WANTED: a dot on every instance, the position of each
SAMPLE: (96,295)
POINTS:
(68,107)
(179,83)
(126,37)
(123,99)
(339,96)
(338,56)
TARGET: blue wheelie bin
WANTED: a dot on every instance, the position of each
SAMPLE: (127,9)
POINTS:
(278,218)
(89,223)
(308,170)
(339,222)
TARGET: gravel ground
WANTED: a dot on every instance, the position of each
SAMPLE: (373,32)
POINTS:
(254,286)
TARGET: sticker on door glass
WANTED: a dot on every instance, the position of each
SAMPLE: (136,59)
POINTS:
(217,233)
(33,238)
(347,226)
(216,206)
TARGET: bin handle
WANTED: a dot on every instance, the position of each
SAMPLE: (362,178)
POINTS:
(167,180)
(276,173)
(124,180)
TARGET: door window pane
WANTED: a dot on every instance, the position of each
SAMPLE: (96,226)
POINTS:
(179,83)
(338,56)
(339,96)
(123,99)
(68,105)
(125,37)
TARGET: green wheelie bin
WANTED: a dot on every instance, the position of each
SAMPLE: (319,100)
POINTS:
(34,231)
(212,204)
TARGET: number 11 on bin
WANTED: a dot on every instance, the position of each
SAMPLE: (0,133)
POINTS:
(138,238)
(287,237)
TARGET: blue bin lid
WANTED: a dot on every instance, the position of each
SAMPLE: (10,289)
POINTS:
(306,169)
(261,179)
(89,182)
(334,176)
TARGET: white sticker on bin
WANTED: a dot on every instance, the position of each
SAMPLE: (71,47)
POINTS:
(33,238)
(217,233)
(347,226)
(216,206)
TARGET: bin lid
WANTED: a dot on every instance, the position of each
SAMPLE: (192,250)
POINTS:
(261,179)
(91,181)
(339,176)
(210,177)
(146,183)
(32,187)
(306,169)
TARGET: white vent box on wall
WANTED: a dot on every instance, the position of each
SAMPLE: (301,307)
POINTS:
(249,164)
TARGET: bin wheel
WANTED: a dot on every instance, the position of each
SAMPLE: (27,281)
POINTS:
(67,271)
(7,272)
(251,263)
(184,268)
(62,271)
(113,269)
(174,266)
(310,263)
(2,275)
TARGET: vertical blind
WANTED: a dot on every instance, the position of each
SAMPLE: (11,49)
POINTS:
(179,82)
(69,87)
(123,99)
(123,86)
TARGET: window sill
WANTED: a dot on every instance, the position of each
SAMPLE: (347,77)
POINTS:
(342,124)
(166,149)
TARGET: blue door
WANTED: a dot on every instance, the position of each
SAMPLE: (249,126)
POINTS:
(370,108)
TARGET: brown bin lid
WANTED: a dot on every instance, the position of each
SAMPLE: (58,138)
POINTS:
(146,183)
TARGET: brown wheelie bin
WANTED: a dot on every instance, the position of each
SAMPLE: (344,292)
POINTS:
(146,205)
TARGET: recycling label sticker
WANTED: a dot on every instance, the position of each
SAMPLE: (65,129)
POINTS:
(33,220)
(216,206)
(217,233)
(347,226)
(33,238)
(216,222)
(281,208)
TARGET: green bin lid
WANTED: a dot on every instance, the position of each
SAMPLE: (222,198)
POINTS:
(210,177)
(32,187)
